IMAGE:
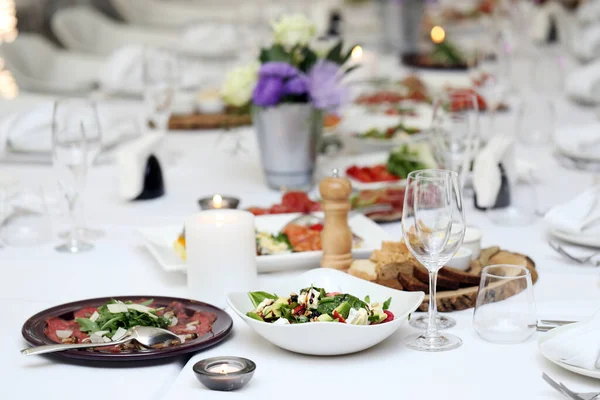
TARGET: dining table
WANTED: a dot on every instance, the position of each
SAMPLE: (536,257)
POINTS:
(198,164)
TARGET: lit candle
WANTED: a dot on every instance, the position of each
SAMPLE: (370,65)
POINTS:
(368,62)
(221,254)
(223,369)
(217,201)
(437,34)
(357,53)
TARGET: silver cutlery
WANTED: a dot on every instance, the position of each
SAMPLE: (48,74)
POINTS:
(544,325)
(569,393)
(578,259)
(144,335)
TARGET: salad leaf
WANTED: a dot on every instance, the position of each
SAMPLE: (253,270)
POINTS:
(386,304)
(355,302)
(403,161)
(147,302)
(283,238)
(254,316)
(368,299)
(87,325)
(258,297)
(327,307)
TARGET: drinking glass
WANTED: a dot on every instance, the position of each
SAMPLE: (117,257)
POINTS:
(505,307)
(28,223)
(433,225)
(161,78)
(455,131)
(536,120)
(70,160)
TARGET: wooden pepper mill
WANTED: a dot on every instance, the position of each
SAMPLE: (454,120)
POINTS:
(336,238)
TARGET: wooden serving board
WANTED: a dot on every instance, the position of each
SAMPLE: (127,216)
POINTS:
(209,121)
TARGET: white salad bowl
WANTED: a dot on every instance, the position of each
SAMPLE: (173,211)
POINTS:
(329,338)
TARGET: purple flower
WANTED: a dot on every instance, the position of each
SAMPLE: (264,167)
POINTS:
(297,85)
(324,86)
(278,69)
(268,91)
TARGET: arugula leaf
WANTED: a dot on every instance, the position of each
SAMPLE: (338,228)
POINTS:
(368,299)
(373,318)
(386,305)
(87,325)
(258,297)
(147,302)
(254,316)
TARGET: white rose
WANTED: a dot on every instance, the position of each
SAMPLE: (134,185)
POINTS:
(294,30)
(240,84)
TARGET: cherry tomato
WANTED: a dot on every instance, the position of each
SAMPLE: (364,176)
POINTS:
(390,316)
(296,201)
(258,210)
(316,227)
(339,316)
(279,209)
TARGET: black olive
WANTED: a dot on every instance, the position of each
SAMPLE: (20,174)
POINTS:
(315,313)
(310,301)
(294,298)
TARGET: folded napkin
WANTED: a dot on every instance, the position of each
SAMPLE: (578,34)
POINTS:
(132,162)
(211,40)
(487,177)
(583,83)
(579,346)
(589,11)
(31,130)
(573,216)
(579,141)
(586,45)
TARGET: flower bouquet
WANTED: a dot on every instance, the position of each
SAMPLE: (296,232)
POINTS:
(288,91)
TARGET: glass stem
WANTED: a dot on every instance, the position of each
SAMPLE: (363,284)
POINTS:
(492,122)
(432,330)
(73,237)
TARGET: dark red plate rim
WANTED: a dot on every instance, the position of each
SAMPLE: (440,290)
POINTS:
(413,60)
(33,330)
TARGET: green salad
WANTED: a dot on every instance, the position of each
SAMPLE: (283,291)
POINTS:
(313,304)
(388,133)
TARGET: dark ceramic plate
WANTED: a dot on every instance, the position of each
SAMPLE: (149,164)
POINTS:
(423,61)
(34,330)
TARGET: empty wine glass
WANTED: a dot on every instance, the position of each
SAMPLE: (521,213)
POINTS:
(433,225)
(455,131)
(161,78)
(69,158)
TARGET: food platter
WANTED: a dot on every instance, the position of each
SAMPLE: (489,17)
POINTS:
(34,330)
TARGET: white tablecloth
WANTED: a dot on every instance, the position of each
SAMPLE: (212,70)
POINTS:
(199,165)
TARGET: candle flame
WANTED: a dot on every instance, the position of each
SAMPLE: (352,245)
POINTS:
(437,34)
(217,201)
(223,372)
(357,53)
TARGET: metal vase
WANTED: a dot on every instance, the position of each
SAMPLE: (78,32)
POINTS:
(400,23)
(288,136)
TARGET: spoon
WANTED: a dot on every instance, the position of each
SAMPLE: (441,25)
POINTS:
(144,335)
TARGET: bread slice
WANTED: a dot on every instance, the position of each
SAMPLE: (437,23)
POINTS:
(363,269)
(412,284)
(422,274)
(464,278)
(386,271)
(394,247)
(391,283)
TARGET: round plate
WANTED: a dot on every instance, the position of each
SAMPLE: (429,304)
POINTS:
(557,331)
(588,240)
(34,329)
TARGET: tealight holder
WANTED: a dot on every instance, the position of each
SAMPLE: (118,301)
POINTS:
(218,202)
(224,373)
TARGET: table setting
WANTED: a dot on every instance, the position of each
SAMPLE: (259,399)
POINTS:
(319,208)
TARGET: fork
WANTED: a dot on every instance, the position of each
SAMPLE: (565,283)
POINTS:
(579,260)
(569,393)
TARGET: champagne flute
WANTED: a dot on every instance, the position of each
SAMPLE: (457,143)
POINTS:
(433,225)
(161,78)
(70,162)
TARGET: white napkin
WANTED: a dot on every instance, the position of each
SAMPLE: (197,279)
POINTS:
(589,11)
(211,40)
(570,217)
(540,24)
(579,346)
(579,141)
(487,178)
(31,130)
(586,45)
(583,83)
(131,161)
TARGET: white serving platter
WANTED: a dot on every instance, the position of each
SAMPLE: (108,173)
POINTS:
(578,370)
(329,338)
(159,242)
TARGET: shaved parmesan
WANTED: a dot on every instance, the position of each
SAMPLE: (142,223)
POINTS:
(106,340)
(117,308)
(174,321)
(181,338)
(193,323)
(119,334)
(139,307)
(190,328)
(94,316)
(97,337)
(64,334)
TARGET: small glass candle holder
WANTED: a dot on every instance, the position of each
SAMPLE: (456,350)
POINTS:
(224,373)
(219,202)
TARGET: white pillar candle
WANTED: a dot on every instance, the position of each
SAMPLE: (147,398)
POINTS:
(221,254)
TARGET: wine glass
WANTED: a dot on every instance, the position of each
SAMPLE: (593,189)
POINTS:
(433,225)
(161,77)
(70,161)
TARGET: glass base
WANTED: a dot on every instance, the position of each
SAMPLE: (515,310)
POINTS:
(441,322)
(441,343)
(73,248)
(85,233)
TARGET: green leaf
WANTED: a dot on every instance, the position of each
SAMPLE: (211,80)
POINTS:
(254,316)
(386,305)
(348,55)
(87,325)
(258,297)
(352,68)
(368,299)
(276,53)
(309,59)
(335,53)
(373,318)
(147,302)
(355,302)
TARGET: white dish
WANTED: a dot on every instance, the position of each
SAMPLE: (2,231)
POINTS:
(159,242)
(568,140)
(327,338)
(584,240)
(557,331)
(472,241)
(461,260)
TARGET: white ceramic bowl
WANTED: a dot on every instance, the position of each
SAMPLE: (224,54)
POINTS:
(461,260)
(327,338)
(472,241)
